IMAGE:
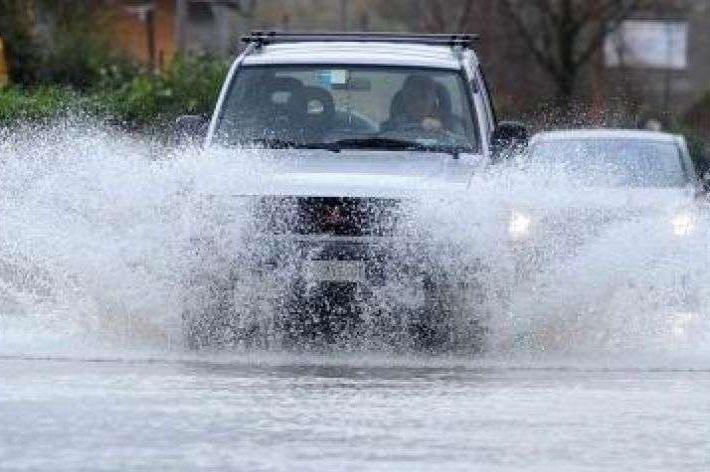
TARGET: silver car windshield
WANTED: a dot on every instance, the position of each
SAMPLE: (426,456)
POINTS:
(614,162)
(348,106)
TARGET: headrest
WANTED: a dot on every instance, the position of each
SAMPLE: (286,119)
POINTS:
(444,98)
(319,103)
(397,105)
(284,92)
(283,84)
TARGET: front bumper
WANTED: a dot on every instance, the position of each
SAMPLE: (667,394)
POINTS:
(342,259)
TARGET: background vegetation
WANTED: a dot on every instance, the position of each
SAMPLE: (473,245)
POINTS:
(74,70)
(62,61)
(132,97)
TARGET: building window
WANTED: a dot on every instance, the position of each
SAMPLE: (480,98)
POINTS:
(654,44)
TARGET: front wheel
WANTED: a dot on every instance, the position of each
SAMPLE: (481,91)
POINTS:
(452,318)
(232,314)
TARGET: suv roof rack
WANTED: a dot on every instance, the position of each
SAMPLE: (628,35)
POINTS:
(262,38)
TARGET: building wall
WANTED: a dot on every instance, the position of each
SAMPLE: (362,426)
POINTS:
(131,32)
(669,94)
(211,29)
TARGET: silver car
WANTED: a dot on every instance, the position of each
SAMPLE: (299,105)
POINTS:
(623,203)
(358,124)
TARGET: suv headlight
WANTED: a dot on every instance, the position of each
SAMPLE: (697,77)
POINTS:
(683,224)
(683,325)
(519,225)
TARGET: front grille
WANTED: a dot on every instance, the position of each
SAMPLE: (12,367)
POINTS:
(335,216)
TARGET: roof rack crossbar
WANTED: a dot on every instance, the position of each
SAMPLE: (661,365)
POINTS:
(271,37)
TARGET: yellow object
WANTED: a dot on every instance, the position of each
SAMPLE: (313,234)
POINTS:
(4,77)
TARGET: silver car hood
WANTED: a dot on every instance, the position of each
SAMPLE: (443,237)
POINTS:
(647,200)
(559,227)
(356,173)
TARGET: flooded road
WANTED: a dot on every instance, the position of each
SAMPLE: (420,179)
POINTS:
(285,413)
(596,359)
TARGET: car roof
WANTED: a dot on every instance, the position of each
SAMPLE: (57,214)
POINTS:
(358,52)
(561,135)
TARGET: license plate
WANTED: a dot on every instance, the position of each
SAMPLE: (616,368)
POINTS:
(335,271)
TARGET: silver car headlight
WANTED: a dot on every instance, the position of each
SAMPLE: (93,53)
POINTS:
(683,325)
(519,225)
(684,224)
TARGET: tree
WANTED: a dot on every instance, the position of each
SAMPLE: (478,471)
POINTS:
(78,43)
(17,26)
(564,35)
(245,8)
(428,15)
(445,15)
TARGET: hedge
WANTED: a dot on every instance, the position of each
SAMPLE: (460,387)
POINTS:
(133,98)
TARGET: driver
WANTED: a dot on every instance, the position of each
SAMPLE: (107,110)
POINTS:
(419,107)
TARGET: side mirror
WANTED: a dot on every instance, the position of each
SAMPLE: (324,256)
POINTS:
(508,137)
(190,128)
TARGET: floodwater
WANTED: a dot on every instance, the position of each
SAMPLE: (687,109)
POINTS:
(597,357)
(69,414)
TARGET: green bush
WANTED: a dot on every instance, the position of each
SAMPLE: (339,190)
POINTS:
(698,151)
(697,146)
(37,104)
(124,94)
(188,86)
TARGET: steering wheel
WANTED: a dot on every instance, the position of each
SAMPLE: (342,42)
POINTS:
(416,131)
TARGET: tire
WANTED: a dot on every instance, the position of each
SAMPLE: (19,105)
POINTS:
(324,316)
(222,322)
(452,319)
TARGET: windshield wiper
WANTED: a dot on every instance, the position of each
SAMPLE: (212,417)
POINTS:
(337,146)
(394,144)
(373,142)
(276,143)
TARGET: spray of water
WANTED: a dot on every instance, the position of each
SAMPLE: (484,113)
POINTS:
(107,239)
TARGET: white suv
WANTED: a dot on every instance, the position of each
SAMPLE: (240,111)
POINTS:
(359,121)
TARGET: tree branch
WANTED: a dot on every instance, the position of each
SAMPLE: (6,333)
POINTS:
(245,8)
(465,15)
(609,21)
(541,55)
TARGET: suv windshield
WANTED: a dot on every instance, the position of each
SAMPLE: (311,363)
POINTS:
(337,107)
(615,162)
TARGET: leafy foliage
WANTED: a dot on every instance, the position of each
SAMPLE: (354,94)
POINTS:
(132,97)
(37,104)
(697,148)
(188,86)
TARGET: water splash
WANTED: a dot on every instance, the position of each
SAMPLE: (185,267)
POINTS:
(107,239)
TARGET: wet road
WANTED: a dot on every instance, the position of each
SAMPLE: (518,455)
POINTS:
(98,235)
(284,413)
